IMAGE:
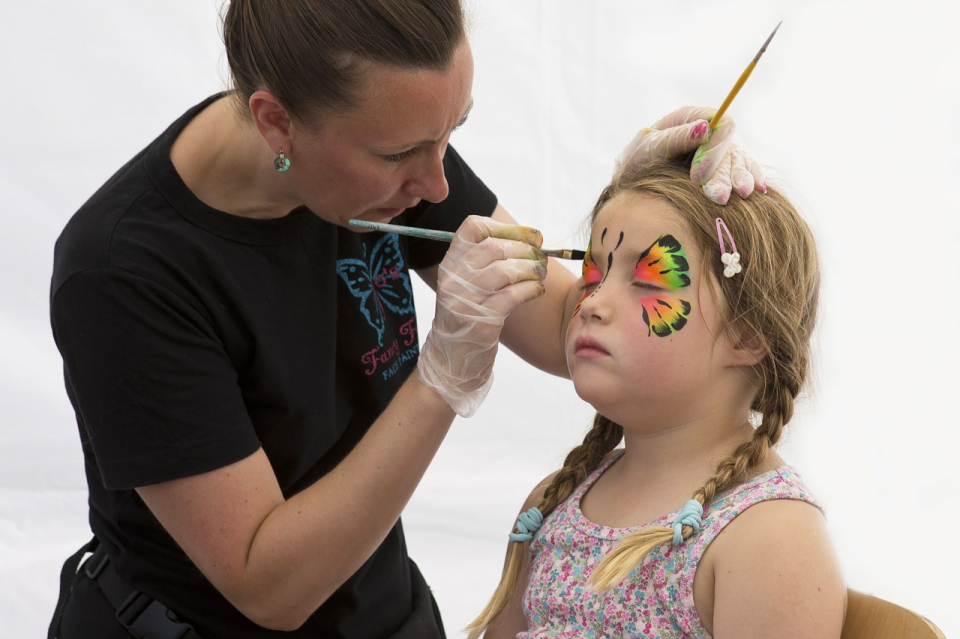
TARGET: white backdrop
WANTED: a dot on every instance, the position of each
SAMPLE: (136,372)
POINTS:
(853,108)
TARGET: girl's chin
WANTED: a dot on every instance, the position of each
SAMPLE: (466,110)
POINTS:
(591,394)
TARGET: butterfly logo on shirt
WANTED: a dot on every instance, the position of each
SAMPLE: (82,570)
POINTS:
(379,282)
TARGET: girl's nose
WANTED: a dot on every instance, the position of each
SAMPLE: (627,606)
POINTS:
(593,306)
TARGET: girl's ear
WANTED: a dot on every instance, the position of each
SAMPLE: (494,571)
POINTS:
(750,349)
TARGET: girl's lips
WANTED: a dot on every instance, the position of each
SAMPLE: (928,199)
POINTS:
(586,346)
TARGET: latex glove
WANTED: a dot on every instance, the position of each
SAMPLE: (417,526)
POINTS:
(720,165)
(490,269)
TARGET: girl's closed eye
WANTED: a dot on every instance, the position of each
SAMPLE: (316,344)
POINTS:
(589,287)
(646,286)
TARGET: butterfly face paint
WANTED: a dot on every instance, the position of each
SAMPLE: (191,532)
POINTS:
(664,264)
(591,276)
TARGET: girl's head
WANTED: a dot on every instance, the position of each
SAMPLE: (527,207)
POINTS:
(655,236)
(360,95)
(685,314)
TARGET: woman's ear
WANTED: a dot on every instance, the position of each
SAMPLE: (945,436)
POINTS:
(272,120)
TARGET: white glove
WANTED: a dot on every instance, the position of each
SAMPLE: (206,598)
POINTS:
(490,269)
(720,165)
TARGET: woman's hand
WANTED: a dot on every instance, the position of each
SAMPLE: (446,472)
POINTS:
(489,270)
(720,166)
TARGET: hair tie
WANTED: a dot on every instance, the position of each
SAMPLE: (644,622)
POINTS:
(690,515)
(528,523)
(731,261)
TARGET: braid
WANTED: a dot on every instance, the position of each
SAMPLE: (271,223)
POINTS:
(580,462)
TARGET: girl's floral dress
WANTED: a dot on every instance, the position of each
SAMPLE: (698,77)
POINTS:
(656,600)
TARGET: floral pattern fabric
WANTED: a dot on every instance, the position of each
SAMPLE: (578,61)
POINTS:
(656,600)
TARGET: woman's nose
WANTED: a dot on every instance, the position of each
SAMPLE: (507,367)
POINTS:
(429,182)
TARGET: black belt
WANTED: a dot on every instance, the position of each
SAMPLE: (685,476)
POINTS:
(142,615)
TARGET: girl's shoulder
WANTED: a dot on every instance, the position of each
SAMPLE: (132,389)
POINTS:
(780,483)
(776,549)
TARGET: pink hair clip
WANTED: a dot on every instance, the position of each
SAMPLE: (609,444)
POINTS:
(731,261)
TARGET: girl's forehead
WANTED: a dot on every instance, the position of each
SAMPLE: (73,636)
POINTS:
(640,217)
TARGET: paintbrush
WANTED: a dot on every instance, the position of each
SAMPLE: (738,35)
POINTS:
(447,236)
(743,78)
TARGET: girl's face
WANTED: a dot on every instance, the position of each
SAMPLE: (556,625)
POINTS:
(386,154)
(641,340)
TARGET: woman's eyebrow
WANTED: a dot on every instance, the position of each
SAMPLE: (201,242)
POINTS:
(420,143)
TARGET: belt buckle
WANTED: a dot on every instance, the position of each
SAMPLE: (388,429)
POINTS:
(147,618)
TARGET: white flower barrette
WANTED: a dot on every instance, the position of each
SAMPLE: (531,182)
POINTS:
(731,261)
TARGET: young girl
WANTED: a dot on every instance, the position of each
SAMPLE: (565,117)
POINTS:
(691,339)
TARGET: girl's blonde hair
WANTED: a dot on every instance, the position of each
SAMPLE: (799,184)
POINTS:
(774,299)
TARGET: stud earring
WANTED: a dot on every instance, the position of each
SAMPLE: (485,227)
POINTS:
(282,162)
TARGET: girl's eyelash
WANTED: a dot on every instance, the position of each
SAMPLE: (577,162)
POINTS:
(586,285)
(400,157)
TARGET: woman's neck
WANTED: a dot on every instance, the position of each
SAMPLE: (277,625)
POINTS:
(226,163)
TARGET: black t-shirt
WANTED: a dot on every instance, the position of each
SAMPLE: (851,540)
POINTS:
(191,337)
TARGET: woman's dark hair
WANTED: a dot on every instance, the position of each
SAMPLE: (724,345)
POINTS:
(311,54)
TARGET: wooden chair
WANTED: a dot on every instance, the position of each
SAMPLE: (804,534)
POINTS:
(870,617)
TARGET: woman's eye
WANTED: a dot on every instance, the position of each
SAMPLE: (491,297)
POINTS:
(645,285)
(400,157)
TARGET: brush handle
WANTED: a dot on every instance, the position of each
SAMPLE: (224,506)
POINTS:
(715,120)
(412,231)
(447,236)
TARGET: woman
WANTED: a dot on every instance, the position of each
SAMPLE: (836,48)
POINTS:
(240,362)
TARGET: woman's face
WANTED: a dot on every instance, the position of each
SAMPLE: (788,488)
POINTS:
(385,155)
(642,337)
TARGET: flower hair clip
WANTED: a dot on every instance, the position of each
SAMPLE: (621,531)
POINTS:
(731,261)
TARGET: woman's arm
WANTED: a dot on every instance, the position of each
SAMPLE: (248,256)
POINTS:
(535,331)
(774,574)
(277,560)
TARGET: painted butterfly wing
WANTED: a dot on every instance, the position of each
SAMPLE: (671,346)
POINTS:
(664,316)
(664,263)
(590,274)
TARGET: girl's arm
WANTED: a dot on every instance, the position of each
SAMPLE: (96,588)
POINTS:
(512,621)
(774,574)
